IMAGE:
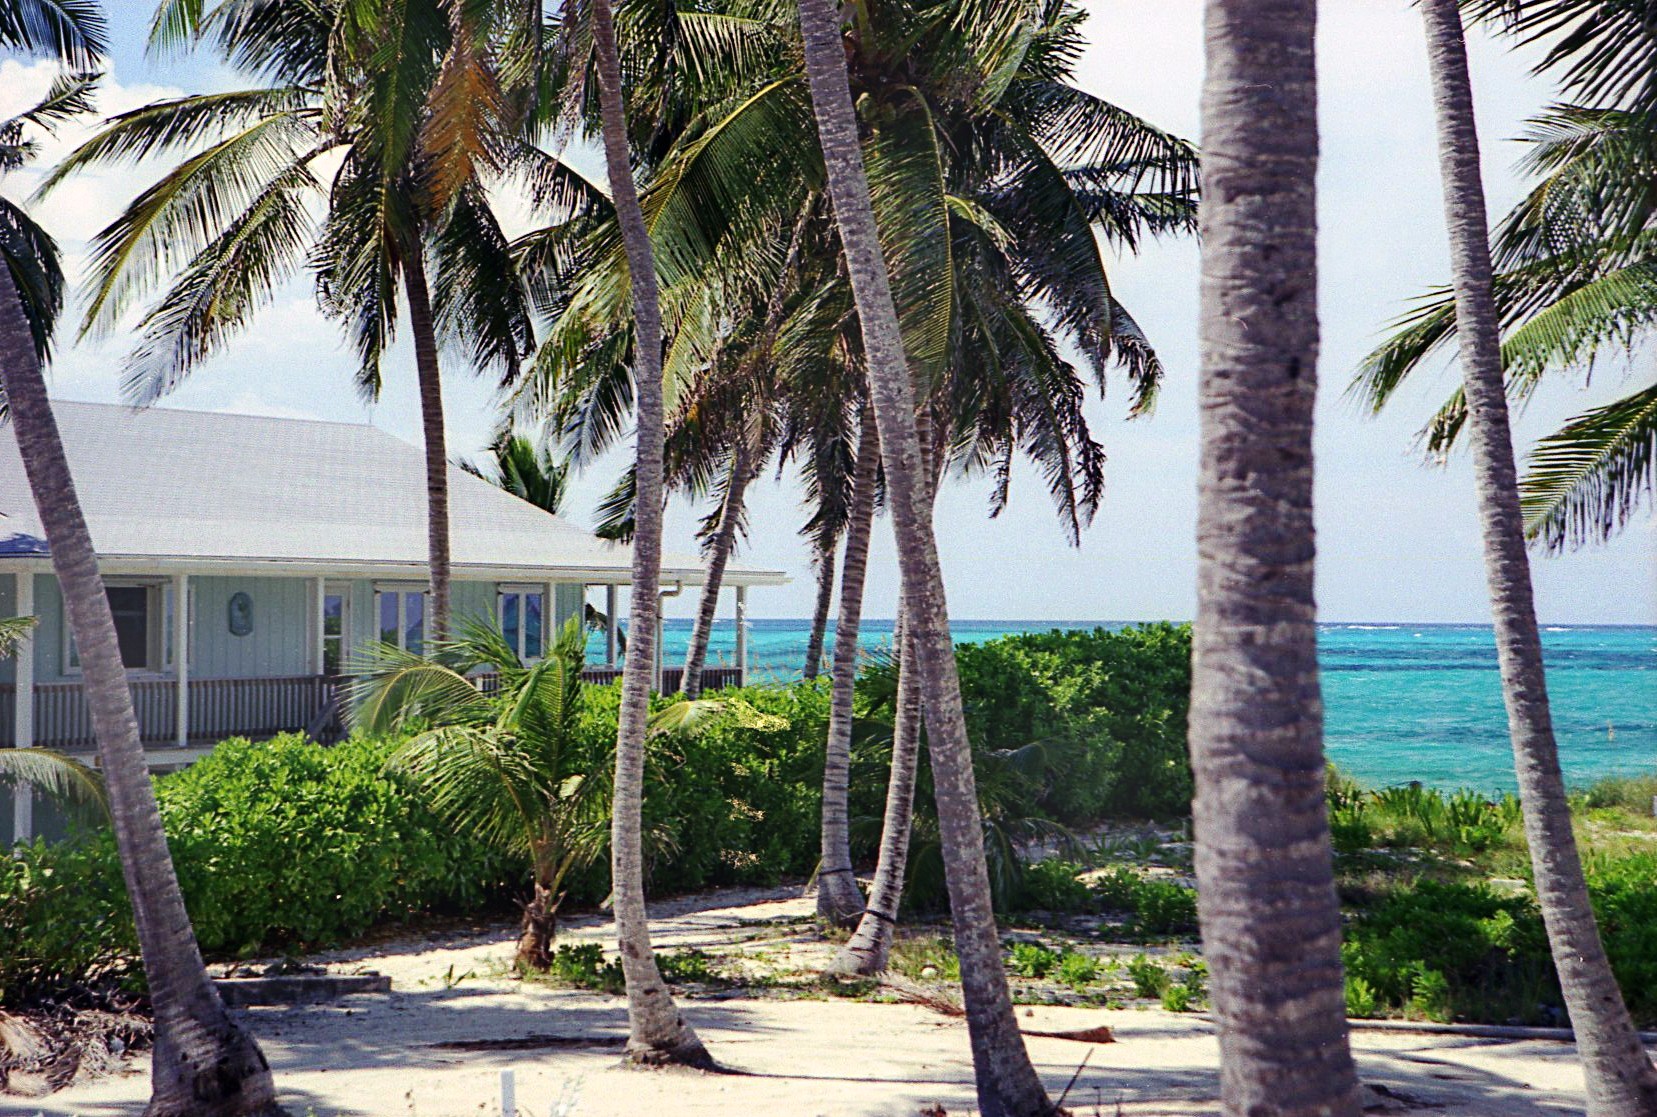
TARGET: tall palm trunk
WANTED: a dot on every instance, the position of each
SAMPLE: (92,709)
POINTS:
(820,613)
(437,451)
(1007,1083)
(1265,878)
(838,898)
(724,540)
(869,950)
(204,1065)
(1620,1077)
(657,1033)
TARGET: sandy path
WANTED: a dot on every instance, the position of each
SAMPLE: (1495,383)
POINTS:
(405,1054)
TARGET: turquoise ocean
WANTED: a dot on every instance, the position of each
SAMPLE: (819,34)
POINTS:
(1402,701)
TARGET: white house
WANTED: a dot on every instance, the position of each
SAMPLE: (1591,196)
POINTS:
(292,542)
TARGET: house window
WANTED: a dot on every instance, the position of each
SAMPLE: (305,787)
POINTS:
(522,613)
(335,604)
(142,612)
(402,618)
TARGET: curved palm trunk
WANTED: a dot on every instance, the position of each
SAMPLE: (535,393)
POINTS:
(1265,879)
(869,950)
(204,1065)
(1007,1083)
(657,1033)
(724,541)
(820,614)
(838,898)
(1620,1077)
(437,452)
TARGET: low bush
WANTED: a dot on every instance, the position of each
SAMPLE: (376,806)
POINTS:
(1028,959)
(1452,951)
(1054,885)
(1115,701)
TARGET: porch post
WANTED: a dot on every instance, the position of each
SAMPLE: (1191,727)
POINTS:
(319,623)
(742,635)
(610,596)
(23,708)
(181,655)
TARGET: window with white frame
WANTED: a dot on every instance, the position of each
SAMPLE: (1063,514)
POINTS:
(336,624)
(402,616)
(143,614)
(523,620)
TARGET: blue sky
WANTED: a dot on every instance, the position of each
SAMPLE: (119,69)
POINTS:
(1397,540)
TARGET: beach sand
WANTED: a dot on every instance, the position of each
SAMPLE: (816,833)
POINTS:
(435,1046)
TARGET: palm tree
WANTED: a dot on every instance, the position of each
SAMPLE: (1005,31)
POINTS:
(1621,1079)
(376,84)
(203,1062)
(869,949)
(504,764)
(1575,275)
(838,898)
(1265,878)
(727,525)
(1007,1082)
(657,1033)
(823,565)
(526,468)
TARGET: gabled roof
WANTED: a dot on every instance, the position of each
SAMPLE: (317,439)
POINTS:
(212,490)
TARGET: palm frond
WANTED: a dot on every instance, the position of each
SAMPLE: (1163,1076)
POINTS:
(71,30)
(1585,480)
(61,777)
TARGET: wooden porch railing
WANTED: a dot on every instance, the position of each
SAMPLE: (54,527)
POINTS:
(220,708)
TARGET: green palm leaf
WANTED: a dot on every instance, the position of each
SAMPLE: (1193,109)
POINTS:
(1585,480)
(64,778)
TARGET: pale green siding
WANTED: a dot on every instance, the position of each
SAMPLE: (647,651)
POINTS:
(279,643)
(282,639)
(569,600)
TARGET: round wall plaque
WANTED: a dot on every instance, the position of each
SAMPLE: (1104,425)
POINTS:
(241,614)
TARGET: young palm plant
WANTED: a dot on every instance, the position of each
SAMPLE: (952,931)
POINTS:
(504,762)
(203,1061)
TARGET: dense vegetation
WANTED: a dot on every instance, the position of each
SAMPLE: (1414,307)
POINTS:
(285,845)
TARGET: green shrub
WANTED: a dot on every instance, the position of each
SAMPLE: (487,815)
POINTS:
(1116,701)
(287,844)
(65,924)
(1624,893)
(1178,998)
(1076,970)
(1453,951)
(1054,885)
(1149,978)
(1361,1001)
(1164,908)
(1030,959)
(914,957)
(583,966)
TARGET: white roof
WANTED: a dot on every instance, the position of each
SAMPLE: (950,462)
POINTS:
(206,490)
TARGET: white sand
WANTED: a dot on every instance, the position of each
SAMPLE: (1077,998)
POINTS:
(378,1055)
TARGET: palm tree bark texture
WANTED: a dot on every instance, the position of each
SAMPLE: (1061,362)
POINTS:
(838,898)
(724,541)
(820,614)
(1007,1084)
(421,324)
(204,1064)
(1265,879)
(869,950)
(657,1032)
(1620,1078)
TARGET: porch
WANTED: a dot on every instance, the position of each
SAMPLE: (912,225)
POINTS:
(215,709)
